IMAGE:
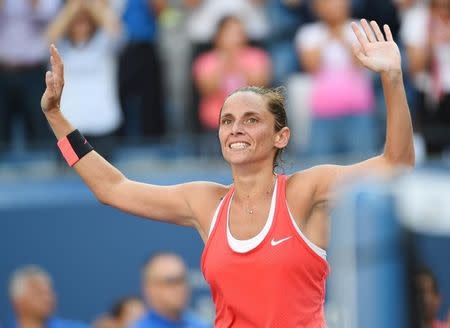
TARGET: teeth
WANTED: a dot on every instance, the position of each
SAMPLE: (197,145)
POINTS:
(238,145)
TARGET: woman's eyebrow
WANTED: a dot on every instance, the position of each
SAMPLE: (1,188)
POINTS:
(250,113)
(246,114)
(226,115)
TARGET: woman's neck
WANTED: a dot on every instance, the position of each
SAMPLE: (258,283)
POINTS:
(30,322)
(253,185)
(337,29)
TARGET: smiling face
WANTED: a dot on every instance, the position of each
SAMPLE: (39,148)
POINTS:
(247,130)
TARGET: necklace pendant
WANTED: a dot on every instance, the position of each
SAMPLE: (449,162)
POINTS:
(250,212)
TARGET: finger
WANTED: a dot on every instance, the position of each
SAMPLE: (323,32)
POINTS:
(48,79)
(359,35)
(57,63)
(51,83)
(376,29)
(388,33)
(368,30)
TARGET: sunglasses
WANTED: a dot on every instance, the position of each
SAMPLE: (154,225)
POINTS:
(171,280)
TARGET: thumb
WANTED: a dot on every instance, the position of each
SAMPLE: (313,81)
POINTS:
(359,53)
(49,81)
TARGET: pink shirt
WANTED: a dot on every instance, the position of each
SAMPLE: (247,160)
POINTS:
(249,60)
(340,87)
(440,324)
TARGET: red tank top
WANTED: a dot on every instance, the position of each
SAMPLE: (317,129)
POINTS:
(279,282)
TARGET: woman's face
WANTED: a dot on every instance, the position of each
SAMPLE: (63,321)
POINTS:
(246,130)
(81,28)
(333,11)
(232,35)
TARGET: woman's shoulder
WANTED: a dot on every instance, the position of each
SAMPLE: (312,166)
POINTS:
(301,177)
(205,62)
(253,50)
(210,55)
(415,25)
(254,54)
(311,34)
(207,191)
(310,177)
(312,28)
(417,13)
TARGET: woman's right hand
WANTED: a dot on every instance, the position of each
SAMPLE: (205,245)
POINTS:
(54,81)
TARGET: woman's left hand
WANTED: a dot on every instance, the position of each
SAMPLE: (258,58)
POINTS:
(374,50)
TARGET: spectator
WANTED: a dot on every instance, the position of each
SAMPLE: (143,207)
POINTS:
(33,300)
(140,76)
(23,60)
(166,290)
(127,310)
(404,5)
(204,17)
(230,65)
(342,95)
(426,35)
(285,17)
(88,34)
(105,321)
(385,12)
(429,298)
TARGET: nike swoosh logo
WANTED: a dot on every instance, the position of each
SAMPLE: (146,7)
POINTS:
(274,242)
(85,141)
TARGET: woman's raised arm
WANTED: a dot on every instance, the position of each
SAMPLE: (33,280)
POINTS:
(379,53)
(182,204)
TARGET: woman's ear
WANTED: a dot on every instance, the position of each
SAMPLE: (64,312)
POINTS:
(282,137)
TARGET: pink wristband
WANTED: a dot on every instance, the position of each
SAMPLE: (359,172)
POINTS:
(73,147)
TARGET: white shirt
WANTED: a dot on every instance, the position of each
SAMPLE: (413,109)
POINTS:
(414,33)
(334,53)
(21,30)
(90,99)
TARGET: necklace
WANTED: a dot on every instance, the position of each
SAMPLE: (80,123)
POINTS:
(251,210)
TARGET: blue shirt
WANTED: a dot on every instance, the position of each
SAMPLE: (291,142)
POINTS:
(57,323)
(155,320)
(140,21)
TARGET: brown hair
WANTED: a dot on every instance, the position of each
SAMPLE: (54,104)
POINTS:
(223,23)
(275,104)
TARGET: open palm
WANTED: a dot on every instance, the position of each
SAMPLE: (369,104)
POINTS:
(373,50)
(54,81)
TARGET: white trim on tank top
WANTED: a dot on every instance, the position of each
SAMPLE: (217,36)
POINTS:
(214,219)
(316,249)
(241,245)
(246,245)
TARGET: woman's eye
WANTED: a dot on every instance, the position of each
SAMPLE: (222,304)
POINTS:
(226,121)
(252,120)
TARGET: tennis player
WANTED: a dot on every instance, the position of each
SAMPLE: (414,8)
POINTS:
(266,234)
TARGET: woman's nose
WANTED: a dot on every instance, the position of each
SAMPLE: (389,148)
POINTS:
(237,127)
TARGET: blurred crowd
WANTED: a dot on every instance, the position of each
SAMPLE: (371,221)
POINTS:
(147,69)
(165,291)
